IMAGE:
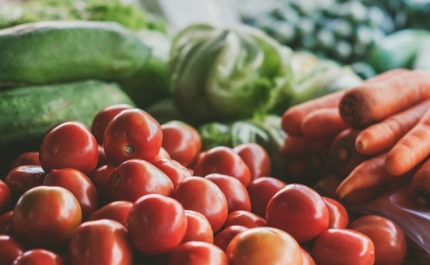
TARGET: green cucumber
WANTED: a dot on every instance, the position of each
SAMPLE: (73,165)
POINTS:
(63,51)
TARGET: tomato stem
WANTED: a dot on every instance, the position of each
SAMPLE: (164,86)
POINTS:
(129,149)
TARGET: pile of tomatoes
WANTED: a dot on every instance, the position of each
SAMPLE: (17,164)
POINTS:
(129,191)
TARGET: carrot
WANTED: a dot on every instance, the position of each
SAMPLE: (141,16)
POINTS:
(420,184)
(385,75)
(296,146)
(374,101)
(327,185)
(382,136)
(364,195)
(317,157)
(411,149)
(323,123)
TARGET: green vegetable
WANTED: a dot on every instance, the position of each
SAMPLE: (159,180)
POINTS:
(422,59)
(228,73)
(165,110)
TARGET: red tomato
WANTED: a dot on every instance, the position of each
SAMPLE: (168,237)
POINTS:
(260,192)
(103,160)
(26,159)
(203,196)
(5,197)
(162,154)
(100,178)
(264,245)
(78,184)
(299,211)
(235,193)
(100,242)
(69,145)
(223,238)
(343,246)
(307,258)
(22,178)
(6,225)
(156,224)
(175,171)
(198,228)
(244,218)
(197,253)
(135,178)
(387,237)
(181,141)
(223,160)
(42,226)
(10,249)
(133,133)
(117,211)
(196,159)
(39,257)
(256,158)
(338,216)
(102,119)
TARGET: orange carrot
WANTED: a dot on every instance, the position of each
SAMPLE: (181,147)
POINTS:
(382,136)
(317,157)
(323,123)
(385,75)
(372,102)
(364,195)
(420,184)
(296,146)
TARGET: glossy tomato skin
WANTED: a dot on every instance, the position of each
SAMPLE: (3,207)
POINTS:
(100,242)
(156,224)
(387,237)
(260,192)
(135,178)
(22,178)
(6,225)
(100,178)
(10,249)
(203,196)
(234,191)
(197,253)
(264,245)
(39,257)
(46,227)
(299,211)
(78,184)
(343,246)
(26,159)
(244,218)
(5,197)
(223,160)
(256,158)
(117,211)
(338,216)
(223,238)
(198,228)
(103,160)
(175,171)
(132,134)
(69,145)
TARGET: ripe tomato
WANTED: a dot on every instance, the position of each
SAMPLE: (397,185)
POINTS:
(338,216)
(22,178)
(26,159)
(198,228)
(343,246)
(117,211)
(69,145)
(6,225)
(42,226)
(235,193)
(223,160)
(307,258)
(39,257)
(103,160)
(102,119)
(299,211)
(197,253)
(78,184)
(135,178)
(10,249)
(203,196)
(256,158)
(131,134)
(264,245)
(223,238)
(181,141)
(175,171)
(260,192)
(162,155)
(100,242)
(387,237)
(100,178)
(244,218)
(156,224)
(5,197)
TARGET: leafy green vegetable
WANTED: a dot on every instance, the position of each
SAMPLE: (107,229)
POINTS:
(165,110)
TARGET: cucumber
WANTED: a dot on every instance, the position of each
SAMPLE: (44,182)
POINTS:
(29,112)
(63,51)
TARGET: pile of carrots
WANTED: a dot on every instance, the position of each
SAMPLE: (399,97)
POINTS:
(370,138)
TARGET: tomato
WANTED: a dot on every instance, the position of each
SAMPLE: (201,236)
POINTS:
(132,134)
(223,238)
(235,193)
(223,160)
(307,258)
(327,185)
(5,197)
(45,217)
(100,178)
(135,178)
(6,225)
(78,184)
(22,178)
(264,245)
(260,192)
(69,145)
(203,196)
(198,228)
(299,211)
(102,119)
(256,158)
(156,224)
(175,171)
(100,242)
(39,257)
(26,159)
(197,159)
(181,141)
(387,237)
(103,160)
(162,154)
(343,246)
(117,211)
(10,249)
(197,253)
(244,218)
(338,216)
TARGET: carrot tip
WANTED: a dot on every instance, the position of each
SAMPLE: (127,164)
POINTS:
(347,108)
